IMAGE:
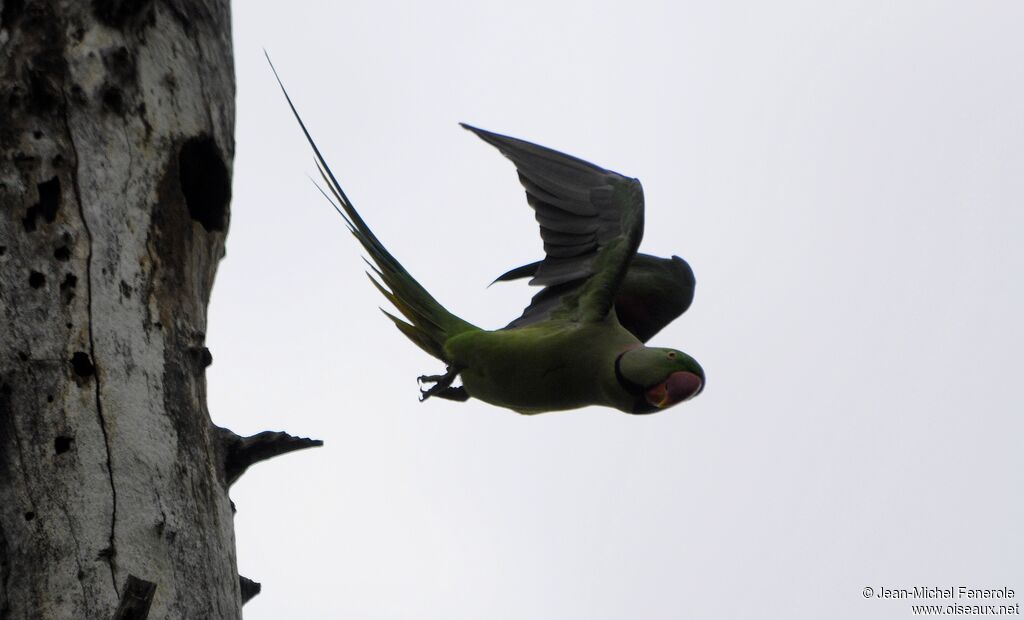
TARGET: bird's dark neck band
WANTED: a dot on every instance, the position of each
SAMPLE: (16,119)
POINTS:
(631,388)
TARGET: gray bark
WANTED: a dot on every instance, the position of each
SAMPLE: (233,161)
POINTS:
(116,144)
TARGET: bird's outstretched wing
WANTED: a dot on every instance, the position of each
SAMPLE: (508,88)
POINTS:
(591,221)
(654,293)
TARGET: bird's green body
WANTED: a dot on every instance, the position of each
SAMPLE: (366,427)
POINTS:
(550,366)
(569,348)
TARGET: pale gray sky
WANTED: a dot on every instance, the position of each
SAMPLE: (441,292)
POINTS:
(847,181)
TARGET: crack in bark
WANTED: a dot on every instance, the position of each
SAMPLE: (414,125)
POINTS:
(78,552)
(21,461)
(131,162)
(5,585)
(92,343)
(162,526)
(32,504)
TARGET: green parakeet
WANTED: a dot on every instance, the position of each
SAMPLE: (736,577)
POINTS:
(569,349)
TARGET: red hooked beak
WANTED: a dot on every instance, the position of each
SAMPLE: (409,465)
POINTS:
(678,387)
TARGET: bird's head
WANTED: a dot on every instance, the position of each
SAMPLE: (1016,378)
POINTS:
(658,378)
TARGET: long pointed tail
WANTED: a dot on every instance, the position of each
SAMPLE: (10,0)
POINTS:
(430,324)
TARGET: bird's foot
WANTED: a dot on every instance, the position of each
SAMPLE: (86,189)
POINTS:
(442,385)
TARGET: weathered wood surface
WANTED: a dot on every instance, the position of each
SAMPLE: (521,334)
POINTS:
(116,145)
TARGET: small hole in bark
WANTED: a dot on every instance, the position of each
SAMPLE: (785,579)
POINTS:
(82,365)
(43,93)
(49,198)
(49,398)
(23,356)
(62,444)
(12,9)
(68,325)
(117,12)
(36,279)
(49,202)
(77,94)
(63,253)
(204,182)
(3,249)
(30,515)
(67,288)
(120,65)
(5,389)
(113,100)
(37,134)
(126,290)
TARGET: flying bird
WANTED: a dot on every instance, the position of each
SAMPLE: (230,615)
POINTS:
(581,340)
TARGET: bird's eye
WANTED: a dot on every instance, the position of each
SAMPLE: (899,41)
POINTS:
(671,355)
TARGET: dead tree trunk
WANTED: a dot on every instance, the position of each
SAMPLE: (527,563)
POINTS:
(116,144)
